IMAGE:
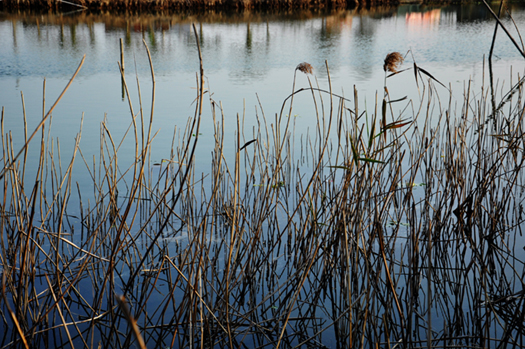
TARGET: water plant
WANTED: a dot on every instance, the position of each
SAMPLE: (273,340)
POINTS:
(324,241)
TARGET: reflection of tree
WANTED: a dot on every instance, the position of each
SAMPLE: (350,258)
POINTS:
(91,27)
(267,36)
(201,36)
(248,67)
(61,37)
(366,28)
(248,39)
(73,33)
(128,34)
(15,42)
(363,51)
(241,42)
(472,12)
(325,35)
(331,29)
(152,40)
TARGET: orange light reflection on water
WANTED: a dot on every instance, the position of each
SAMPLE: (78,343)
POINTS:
(417,20)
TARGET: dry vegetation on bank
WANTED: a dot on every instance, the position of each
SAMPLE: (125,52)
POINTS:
(160,5)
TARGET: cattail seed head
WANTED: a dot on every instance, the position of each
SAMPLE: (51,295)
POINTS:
(305,68)
(392,61)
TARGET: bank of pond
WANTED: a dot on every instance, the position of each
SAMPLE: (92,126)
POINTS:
(206,5)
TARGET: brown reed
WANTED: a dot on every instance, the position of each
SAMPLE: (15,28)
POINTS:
(392,62)
(305,68)
(194,5)
(361,236)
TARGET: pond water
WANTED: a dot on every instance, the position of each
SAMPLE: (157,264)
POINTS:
(249,62)
(247,58)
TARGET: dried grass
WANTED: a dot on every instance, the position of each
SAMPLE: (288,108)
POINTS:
(392,62)
(377,232)
(305,68)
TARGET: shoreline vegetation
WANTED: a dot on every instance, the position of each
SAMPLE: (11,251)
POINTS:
(134,19)
(164,20)
(394,225)
(141,20)
(222,5)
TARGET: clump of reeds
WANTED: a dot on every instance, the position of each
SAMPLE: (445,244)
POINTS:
(177,5)
(393,235)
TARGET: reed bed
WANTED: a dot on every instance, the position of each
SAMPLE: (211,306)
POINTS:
(398,226)
(156,5)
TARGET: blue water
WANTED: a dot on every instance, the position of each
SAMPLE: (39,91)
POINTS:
(246,59)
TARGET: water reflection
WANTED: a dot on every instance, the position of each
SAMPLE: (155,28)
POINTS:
(282,39)
(429,19)
(247,53)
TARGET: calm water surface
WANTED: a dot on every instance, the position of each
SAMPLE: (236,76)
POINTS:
(245,57)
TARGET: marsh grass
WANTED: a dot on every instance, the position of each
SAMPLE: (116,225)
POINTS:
(178,5)
(403,229)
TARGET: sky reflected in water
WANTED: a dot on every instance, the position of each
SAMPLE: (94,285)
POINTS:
(248,58)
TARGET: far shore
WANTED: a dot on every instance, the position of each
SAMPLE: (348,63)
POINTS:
(156,5)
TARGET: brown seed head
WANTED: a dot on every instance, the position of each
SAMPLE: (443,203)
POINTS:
(305,68)
(392,61)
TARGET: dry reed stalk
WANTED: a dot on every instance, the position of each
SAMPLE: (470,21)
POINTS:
(132,322)
(254,262)
(13,315)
